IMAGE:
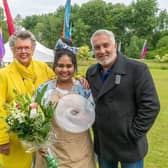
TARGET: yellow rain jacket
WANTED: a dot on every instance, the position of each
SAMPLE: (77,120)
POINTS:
(24,80)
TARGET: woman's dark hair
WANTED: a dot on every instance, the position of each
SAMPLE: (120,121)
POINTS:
(58,53)
(67,41)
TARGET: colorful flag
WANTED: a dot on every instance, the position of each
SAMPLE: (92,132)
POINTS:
(66,28)
(11,28)
(2,48)
(144,50)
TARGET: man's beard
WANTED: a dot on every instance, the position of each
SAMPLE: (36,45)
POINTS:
(107,61)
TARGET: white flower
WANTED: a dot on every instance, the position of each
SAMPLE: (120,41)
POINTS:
(33,113)
(19,116)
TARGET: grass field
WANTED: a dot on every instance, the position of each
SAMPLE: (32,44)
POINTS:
(158,136)
(157,156)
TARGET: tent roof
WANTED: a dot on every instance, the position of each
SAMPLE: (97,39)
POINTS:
(41,53)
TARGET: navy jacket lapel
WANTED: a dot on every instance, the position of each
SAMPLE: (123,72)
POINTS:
(95,78)
(117,72)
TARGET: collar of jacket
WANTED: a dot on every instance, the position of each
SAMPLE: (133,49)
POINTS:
(119,66)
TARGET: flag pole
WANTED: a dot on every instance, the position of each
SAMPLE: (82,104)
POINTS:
(2,48)
(10,23)
(66,28)
(144,50)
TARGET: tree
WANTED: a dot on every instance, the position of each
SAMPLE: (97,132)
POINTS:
(18,22)
(139,20)
(30,22)
(162,21)
(81,33)
(3,25)
(144,17)
(163,42)
(45,30)
(135,47)
(121,23)
(1,15)
(95,14)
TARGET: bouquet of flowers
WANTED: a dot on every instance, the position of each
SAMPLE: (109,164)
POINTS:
(31,119)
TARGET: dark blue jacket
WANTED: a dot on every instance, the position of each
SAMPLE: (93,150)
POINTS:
(126,108)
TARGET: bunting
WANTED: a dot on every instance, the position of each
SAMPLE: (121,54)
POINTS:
(10,24)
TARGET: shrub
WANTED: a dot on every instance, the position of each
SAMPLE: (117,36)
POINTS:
(161,51)
(135,47)
(83,53)
(162,42)
(163,58)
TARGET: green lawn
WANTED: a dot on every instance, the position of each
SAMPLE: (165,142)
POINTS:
(157,156)
(158,136)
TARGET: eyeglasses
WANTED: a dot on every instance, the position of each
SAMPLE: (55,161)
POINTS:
(23,48)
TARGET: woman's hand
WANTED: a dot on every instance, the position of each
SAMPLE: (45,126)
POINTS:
(42,152)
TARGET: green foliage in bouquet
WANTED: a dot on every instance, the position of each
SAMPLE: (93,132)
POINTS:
(30,120)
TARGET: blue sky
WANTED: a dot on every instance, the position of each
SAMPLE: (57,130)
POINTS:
(30,7)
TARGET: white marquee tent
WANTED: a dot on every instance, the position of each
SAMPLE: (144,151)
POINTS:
(41,53)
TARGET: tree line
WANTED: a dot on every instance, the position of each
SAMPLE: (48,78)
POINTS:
(132,25)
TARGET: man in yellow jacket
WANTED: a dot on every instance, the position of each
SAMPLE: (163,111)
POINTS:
(24,75)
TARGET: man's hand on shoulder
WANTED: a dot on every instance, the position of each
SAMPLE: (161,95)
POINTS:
(84,82)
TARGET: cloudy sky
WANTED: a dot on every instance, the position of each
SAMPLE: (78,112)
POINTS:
(30,7)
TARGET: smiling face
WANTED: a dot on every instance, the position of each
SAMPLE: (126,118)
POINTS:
(23,51)
(104,50)
(64,69)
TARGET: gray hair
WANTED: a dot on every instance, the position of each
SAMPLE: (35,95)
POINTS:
(103,32)
(22,34)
